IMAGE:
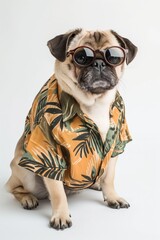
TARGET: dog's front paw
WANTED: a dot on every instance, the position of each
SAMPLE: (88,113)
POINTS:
(116,203)
(60,222)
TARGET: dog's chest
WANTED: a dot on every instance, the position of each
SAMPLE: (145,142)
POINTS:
(99,112)
(100,116)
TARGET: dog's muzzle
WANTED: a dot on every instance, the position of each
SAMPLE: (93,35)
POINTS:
(98,78)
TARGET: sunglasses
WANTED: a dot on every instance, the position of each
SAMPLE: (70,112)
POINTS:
(84,56)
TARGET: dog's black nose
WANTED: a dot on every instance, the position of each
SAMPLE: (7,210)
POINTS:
(99,64)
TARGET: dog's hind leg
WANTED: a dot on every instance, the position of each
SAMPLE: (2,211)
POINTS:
(96,186)
(22,183)
(27,199)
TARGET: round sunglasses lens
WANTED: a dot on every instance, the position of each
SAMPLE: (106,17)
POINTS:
(83,56)
(114,56)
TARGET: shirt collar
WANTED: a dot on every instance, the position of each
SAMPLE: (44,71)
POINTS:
(70,107)
(118,102)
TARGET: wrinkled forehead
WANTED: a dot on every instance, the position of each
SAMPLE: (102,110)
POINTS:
(95,40)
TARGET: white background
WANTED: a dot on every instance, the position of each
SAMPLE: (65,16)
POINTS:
(25,65)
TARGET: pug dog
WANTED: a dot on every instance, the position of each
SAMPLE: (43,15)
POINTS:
(76,127)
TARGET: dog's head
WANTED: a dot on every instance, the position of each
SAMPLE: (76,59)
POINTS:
(93,61)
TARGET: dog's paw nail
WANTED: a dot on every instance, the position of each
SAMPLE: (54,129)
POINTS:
(69,223)
(124,204)
(63,227)
(127,205)
(51,223)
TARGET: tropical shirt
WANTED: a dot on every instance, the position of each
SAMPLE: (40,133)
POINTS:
(63,143)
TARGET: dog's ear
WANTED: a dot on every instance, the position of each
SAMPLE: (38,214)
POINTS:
(126,44)
(58,46)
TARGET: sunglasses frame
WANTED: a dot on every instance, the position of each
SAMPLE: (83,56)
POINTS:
(98,52)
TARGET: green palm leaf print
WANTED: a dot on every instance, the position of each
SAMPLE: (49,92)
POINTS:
(90,140)
(49,166)
(40,106)
(55,108)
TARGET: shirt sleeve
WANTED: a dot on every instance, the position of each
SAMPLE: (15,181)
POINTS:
(123,137)
(42,155)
